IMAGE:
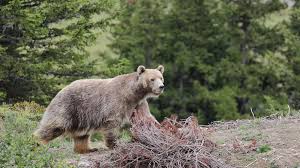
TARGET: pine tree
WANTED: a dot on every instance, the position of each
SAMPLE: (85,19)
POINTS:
(222,59)
(42,45)
(138,34)
(255,66)
(292,52)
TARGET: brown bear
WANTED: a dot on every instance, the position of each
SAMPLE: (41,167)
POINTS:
(90,105)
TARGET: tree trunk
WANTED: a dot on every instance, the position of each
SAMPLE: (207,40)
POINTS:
(148,56)
(244,52)
(244,47)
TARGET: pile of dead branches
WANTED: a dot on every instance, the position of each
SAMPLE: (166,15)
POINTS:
(169,144)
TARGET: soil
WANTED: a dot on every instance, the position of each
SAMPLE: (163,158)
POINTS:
(259,143)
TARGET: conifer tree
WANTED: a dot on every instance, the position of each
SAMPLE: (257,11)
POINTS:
(222,58)
(42,45)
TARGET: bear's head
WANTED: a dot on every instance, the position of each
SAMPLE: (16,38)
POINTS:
(152,80)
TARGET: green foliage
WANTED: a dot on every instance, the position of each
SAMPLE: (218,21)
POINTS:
(273,106)
(125,135)
(264,148)
(42,45)
(140,23)
(96,137)
(221,57)
(292,53)
(119,67)
(224,104)
(18,148)
(30,107)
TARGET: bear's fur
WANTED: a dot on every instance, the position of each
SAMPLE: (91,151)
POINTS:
(91,105)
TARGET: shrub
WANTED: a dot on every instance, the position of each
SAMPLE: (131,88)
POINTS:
(28,107)
(18,147)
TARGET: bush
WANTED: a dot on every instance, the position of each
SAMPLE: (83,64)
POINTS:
(28,107)
(18,147)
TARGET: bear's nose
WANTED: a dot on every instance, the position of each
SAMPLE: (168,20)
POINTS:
(162,87)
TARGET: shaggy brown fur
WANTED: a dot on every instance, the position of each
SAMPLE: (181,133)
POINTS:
(91,105)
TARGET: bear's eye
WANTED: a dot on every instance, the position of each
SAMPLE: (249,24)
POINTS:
(152,79)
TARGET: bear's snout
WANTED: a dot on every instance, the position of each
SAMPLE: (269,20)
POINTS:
(161,87)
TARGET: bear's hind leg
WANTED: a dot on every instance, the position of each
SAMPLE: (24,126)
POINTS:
(110,139)
(44,135)
(81,144)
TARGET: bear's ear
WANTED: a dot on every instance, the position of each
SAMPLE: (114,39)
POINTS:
(141,69)
(161,68)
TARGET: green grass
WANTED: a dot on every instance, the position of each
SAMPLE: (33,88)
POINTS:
(18,148)
(264,148)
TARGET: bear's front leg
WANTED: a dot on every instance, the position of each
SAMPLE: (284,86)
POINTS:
(81,144)
(142,112)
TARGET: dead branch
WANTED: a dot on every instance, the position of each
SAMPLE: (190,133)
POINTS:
(170,144)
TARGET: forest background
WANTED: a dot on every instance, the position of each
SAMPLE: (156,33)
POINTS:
(224,59)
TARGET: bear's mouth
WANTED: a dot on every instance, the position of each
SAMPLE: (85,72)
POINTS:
(157,93)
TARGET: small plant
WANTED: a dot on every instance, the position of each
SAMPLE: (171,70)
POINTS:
(18,148)
(275,107)
(126,136)
(25,106)
(264,148)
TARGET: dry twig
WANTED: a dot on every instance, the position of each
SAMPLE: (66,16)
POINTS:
(171,144)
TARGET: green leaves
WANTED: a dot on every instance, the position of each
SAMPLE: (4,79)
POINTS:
(43,45)
(18,148)
(221,57)
(264,148)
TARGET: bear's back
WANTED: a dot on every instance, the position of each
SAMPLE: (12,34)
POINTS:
(76,93)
